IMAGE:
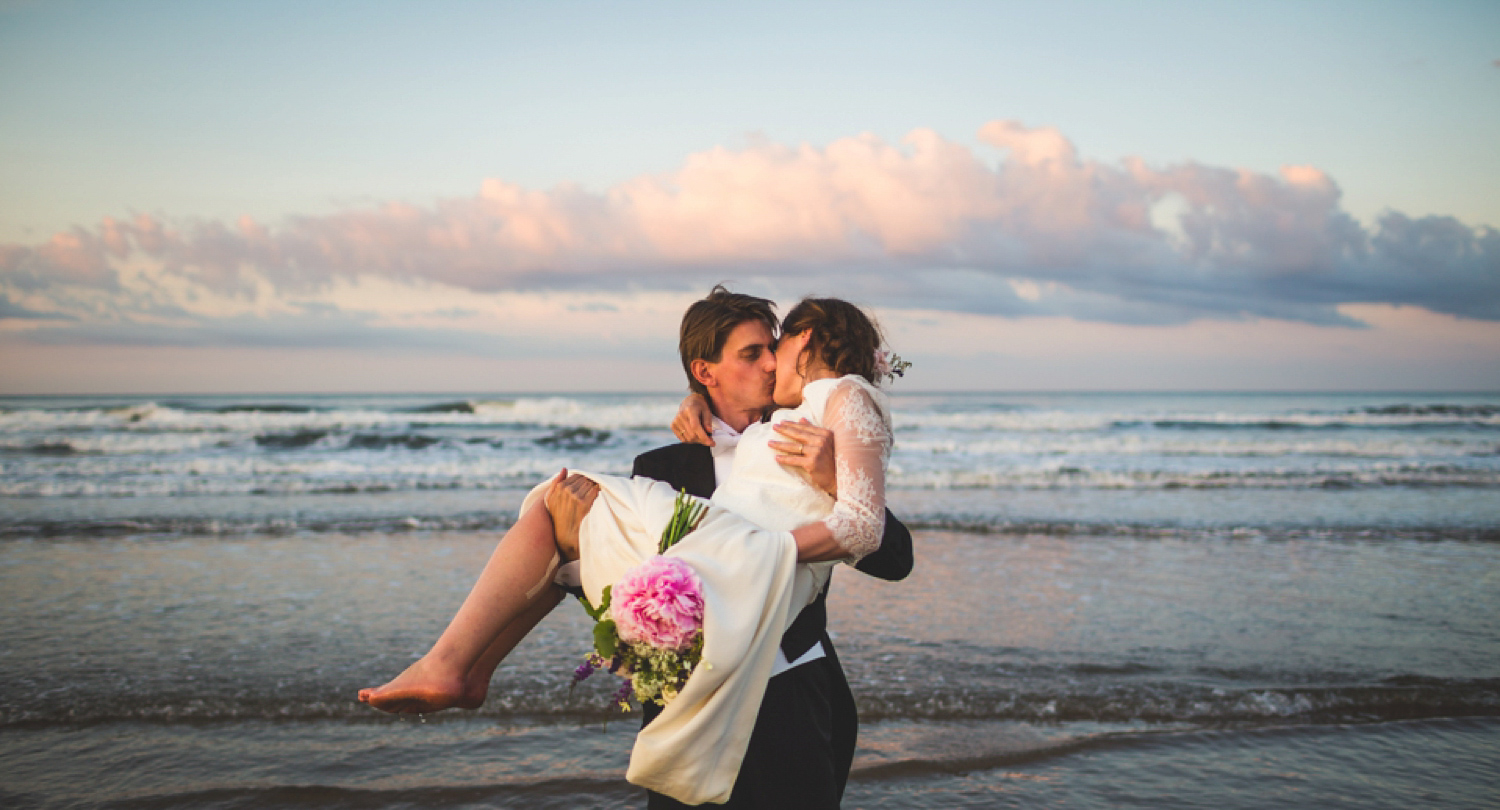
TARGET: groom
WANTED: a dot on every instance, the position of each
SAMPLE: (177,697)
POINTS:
(803,742)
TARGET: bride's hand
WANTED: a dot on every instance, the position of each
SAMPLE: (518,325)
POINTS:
(810,448)
(694,421)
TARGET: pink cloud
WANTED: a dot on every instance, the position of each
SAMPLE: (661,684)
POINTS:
(1247,242)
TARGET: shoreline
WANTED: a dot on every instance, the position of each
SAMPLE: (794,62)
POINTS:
(296,764)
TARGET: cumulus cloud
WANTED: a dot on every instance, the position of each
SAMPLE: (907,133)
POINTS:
(1023,225)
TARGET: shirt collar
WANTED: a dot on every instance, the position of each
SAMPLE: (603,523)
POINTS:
(725,437)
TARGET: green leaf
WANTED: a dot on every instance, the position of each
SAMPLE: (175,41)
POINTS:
(595,612)
(589,608)
(605,639)
(686,512)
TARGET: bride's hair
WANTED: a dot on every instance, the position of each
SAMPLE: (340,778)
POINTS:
(844,337)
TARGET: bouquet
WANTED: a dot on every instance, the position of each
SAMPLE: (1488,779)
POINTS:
(649,626)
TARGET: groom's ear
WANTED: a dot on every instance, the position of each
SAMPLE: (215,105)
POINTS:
(703,373)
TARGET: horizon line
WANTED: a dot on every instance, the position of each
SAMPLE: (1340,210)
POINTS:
(662,392)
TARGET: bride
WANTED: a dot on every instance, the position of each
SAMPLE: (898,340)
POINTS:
(764,550)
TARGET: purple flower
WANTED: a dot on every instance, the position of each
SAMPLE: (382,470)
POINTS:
(658,603)
(622,695)
(583,671)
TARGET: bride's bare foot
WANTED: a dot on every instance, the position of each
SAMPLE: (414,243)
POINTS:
(422,689)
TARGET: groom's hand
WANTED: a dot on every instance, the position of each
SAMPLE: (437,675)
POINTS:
(810,448)
(568,500)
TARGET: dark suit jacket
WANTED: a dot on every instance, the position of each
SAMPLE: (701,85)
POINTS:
(691,467)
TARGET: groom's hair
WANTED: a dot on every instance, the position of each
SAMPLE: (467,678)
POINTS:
(706,326)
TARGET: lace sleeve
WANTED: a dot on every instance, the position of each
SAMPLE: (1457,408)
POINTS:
(862,448)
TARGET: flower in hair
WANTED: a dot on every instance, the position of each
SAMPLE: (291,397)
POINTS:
(890,365)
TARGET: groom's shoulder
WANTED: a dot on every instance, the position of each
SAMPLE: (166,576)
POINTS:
(681,465)
(674,454)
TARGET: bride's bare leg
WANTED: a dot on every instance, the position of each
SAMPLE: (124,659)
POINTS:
(512,586)
(567,502)
(477,682)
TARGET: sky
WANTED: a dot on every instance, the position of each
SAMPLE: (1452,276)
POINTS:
(447,196)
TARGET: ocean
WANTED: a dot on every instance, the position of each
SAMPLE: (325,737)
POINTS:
(1119,600)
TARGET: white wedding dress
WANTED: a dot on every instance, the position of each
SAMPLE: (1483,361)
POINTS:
(753,587)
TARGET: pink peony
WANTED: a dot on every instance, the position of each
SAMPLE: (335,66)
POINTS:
(660,603)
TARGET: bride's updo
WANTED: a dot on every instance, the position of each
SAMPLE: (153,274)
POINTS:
(843,336)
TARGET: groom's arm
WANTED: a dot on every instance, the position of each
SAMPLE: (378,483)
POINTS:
(682,466)
(893,560)
(568,502)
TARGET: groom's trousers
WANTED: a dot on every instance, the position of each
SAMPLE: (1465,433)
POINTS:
(793,760)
